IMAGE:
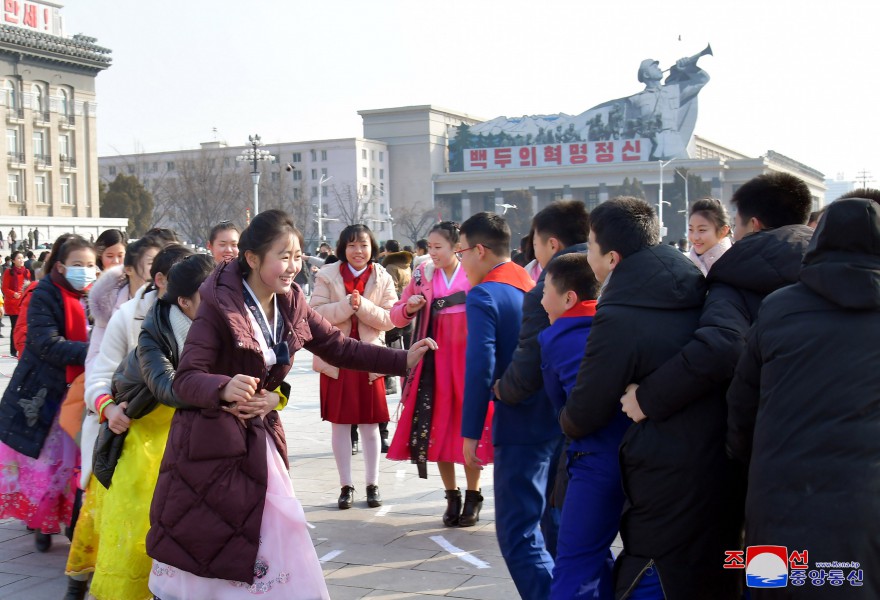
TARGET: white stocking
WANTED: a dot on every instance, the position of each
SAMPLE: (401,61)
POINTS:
(341,442)
(371,444)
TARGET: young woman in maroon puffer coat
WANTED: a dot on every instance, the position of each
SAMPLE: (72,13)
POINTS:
(225,522)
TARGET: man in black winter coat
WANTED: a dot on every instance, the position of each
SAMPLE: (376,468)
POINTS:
(805,410)
(672,470)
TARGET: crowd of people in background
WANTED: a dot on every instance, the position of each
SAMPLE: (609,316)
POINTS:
(693,399)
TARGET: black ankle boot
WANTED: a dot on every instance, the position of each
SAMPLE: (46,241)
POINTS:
(346,498)
(453,508)
(76,590)
(43,541)
(470,512)
(374,500)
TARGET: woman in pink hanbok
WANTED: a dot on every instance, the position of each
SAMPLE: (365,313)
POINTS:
(429,429)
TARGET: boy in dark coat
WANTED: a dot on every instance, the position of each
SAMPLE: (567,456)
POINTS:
(591,512)
(803,404)
(524,436)
(672,472)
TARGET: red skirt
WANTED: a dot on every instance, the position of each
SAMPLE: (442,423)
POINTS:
(352,399)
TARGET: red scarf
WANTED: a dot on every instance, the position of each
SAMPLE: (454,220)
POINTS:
(74,322)
(587,308)
(511,274)
(353,283)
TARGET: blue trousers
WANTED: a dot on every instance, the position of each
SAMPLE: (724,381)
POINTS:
(590,521)
(521,473)
(648,588)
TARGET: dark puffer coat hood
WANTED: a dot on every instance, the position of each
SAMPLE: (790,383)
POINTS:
(843,261)
(762,262)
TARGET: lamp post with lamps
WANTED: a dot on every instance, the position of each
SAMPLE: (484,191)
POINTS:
(321,217)
(661,201)
(255,155)
(687,203)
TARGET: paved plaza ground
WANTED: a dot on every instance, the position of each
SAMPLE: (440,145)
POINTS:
(395,552)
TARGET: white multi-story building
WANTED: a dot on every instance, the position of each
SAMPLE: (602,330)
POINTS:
(835,188)
(349,177)
(48,92)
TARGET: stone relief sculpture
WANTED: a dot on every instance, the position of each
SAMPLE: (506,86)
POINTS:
(664,112)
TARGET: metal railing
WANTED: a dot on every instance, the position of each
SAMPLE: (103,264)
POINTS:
(67,120)
(43,160)
(41,116)
(16,157)
(67,162)
(13,112)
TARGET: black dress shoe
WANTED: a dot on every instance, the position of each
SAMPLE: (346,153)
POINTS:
(374,500)
(470,512)
(453,508)
(43,541)
(354,448)
(384,445)
(346,498)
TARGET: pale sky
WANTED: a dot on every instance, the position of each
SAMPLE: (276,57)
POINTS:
(791,76)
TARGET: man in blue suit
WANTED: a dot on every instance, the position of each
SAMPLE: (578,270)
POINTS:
(525,435)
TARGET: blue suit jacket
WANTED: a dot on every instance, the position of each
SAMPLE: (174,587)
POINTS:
(494,314)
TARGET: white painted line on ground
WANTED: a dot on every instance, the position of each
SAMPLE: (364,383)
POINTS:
(309,525)
(384,510)
(459,553)
(330,555)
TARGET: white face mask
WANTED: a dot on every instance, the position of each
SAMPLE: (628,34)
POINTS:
(80,278)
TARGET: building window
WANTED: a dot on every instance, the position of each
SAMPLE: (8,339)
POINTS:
(314,191)
(364,171)
(297,175)
(296,194)
(314,174)
(37,97)
(154,168)
(9,94)
(12,141)
(381,157)
(13,188)
(40,189)
(365,190)
(324,190)
(323,172)
(130,169)
(381,173)
(297,157)
(226,162)
(323,155)
(373,173)
(39,147)
(64,102)
(275,177)
(591,198)
(64,146)
(169,166)
(364,153)
(66,191)
(314,155)
(373,154)
(111,170)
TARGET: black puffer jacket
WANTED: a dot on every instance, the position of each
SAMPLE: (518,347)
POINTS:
(523,378)
(757,265)
(673,471)
(808,389)
(38,385)
(145,377)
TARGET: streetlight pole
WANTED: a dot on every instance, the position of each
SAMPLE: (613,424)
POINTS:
(687,203)
(324,179)
(255,155)
(660,203)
